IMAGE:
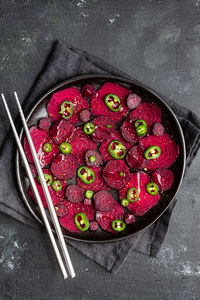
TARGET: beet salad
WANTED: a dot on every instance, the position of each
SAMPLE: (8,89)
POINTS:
(96,144)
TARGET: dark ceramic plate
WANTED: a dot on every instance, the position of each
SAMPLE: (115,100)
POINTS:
(170,122)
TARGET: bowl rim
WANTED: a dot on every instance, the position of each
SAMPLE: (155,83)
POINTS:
(125,81)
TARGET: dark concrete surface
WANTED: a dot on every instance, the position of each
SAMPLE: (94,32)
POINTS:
(156,42)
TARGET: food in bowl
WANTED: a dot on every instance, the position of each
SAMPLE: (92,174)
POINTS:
(94,145)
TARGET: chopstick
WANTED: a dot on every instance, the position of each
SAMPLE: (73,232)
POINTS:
(46,192)
(36,193)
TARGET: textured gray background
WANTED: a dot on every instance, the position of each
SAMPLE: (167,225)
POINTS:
(156,42)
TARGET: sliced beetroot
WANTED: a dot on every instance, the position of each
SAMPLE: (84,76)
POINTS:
(133,101)
(103,129)
(85,115)
(169,150)
(68,223)
(94,225)
(72,95)
(158,129)
(80,144)
(64,166)
(116,173)
(90,157)
(104,201)
(135,158)
(60,210)
(62,131)
(128,131)
(45,123)
(139,180)
(97,185)
(129,219)
(136,180)
(148,111)
(105,218)
(89,211)
(68,220)
(56,196)
(164,178)
(98,106)
(33,170)
(71,210)
(87,201)
(116,135)
(40,137)
(74,193)
(88,90)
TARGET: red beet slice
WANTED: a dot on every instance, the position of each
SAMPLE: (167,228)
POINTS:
(164,178)
(71,94)
(137,180)
(89,211)
(94,225)
(85,115)
(105,218)
(169,151)
(68,223)
(71,210)
(97,185)
(104,201)
(68,220)
(40,137)
(148,111)
(146,201)
(62,131)
(129,219)
(60,210)
(135,158)
(64,166)
(87,201)
(74,193)
(104,146)
(98,106)
(88,90)
(116,173)
(45,123)
(128,131)
(56,196)
(158,129)
(89,162)
(133,101)
(103,129)
(80,144)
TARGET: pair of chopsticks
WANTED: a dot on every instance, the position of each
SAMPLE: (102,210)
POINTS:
(46,193)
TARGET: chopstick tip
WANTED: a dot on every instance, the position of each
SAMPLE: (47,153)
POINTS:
(3,98)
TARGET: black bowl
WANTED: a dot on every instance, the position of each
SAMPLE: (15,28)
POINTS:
(169,121)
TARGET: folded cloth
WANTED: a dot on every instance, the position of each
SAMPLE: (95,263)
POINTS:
(67,62)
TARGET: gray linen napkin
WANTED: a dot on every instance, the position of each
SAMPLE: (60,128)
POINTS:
(63,63)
